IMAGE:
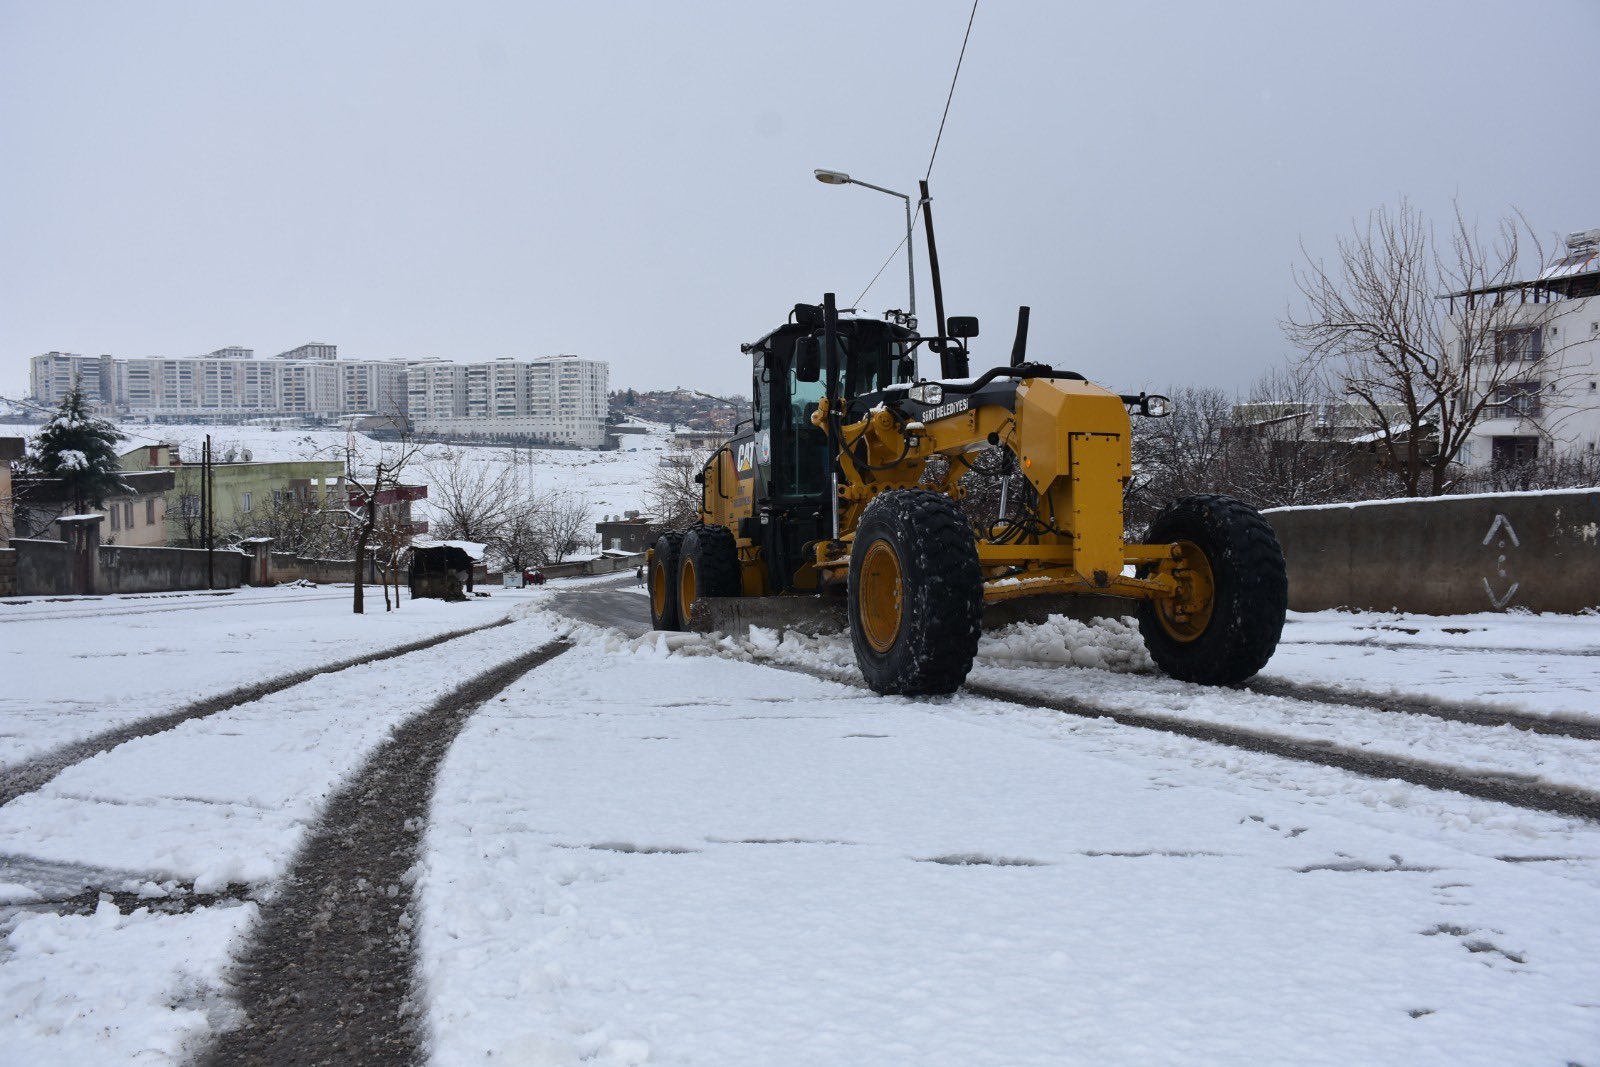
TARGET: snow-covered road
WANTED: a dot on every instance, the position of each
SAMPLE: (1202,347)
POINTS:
(655,850)
(708,862)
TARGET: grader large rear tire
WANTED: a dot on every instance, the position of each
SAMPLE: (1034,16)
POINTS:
(1228,625)
(663,582)
(708,565)
(916,594)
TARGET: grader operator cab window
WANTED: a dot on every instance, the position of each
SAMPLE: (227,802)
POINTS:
(800,459)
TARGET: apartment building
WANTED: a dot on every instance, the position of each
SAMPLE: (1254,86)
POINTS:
(551,399)
(1546,345)
(54,374)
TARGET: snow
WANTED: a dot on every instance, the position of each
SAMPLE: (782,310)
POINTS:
(115,988)
(70,459)
(706,862)
(1541,664)
(473,549)
(1432,499)
(612,481)
(225,800)
(215,802)
(665,851)
(76,668)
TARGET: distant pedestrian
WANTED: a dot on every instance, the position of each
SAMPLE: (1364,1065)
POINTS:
(527,577)
(538,577)
(638,577)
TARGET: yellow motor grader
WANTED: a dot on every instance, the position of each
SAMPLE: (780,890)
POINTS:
(846,479)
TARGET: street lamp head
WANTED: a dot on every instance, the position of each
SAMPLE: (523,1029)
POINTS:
(832,177)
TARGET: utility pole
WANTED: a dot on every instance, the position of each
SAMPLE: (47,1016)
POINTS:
(207,505)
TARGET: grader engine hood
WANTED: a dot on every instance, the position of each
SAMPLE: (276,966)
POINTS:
(1074,440)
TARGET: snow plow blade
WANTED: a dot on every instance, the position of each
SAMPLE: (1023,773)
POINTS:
(814,615)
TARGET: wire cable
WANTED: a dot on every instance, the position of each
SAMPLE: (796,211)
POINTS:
(933,156)
(891,259)
(940,136)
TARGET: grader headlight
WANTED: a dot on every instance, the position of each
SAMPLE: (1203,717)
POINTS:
(927,393)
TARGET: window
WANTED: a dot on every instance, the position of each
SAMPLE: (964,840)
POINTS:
(244,501)
(1518,399)
(189,506)
(1525,343)
(277,497)
(115,512)
(150,511)
(1514,451)
(127,514)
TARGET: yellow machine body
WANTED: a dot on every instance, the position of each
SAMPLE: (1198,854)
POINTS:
(1072,442)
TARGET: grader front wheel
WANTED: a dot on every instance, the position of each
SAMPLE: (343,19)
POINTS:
(1233,592)
(663,582)
(708,565)
(916,594)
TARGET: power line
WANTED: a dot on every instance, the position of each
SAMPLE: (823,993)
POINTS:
(932,156)
(940,136)
(892,255)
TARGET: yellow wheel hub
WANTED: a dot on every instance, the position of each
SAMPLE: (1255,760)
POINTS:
(1186,616)
(658,591)
(686,590)
(880,598)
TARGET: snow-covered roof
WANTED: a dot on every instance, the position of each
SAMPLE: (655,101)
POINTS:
(471,548)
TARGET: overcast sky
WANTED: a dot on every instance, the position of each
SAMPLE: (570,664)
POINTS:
(632,182)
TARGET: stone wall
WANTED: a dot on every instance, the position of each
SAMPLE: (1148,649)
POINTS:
(8,571)
(1446,555)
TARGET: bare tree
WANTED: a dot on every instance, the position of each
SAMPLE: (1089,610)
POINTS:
(391,547)
(468,496)
(1181,454)
(1290,443)
(1429,335)
(519,541)
(302,525)
(563,525)
(674,496)
(371,477)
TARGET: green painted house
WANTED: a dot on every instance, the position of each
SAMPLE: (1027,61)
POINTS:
(240,489)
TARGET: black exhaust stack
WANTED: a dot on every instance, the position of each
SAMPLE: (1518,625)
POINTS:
(952,358)
(1019,347)
(834,391)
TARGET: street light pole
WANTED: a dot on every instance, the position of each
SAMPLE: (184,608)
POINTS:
(835,177)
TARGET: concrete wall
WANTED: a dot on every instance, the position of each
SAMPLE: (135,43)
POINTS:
(44,568)
(1446,555)
(131,569)
(604,565)
(331,570)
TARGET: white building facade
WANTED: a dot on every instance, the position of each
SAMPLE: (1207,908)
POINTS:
(550,399)
(1547,402)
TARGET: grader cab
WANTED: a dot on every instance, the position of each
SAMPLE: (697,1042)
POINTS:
(846,483)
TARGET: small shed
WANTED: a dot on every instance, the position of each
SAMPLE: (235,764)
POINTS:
(442,570)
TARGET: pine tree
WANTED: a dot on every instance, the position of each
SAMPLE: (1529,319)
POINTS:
(79,449)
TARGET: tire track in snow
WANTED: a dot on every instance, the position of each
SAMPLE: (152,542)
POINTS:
(327,977)
(1501,788)
(34,773)
(60,616)
(1507,789)
(602,605)
(1455,711)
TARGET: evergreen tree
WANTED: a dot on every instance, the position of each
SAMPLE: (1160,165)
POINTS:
(80,449)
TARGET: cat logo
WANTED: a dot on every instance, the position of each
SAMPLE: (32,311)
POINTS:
(746,457)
